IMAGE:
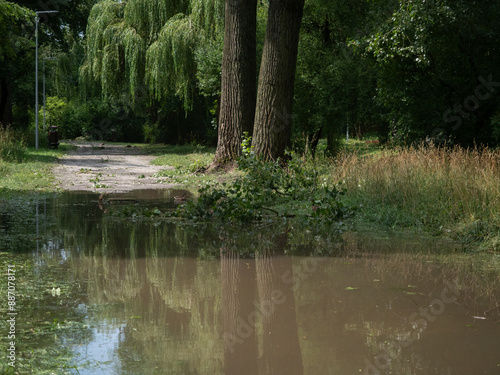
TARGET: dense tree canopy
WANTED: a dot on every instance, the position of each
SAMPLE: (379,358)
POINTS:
(408,70)
(15,45)
(431,56)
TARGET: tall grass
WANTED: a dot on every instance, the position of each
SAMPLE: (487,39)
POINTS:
(12,147)
(443,188)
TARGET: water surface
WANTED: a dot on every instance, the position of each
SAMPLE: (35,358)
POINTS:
(148,297)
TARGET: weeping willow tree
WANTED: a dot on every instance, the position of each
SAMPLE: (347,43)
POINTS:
(170,63)
(148,44)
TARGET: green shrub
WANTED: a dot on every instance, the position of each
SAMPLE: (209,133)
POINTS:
(101,119)
(76,118)
(54,112)
(4,169)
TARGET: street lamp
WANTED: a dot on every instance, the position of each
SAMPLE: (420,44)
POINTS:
(45,58)
(36,71)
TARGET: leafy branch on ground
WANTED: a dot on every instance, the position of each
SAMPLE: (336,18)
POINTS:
(280,188)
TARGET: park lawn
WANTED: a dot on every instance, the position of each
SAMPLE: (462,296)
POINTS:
(33,173)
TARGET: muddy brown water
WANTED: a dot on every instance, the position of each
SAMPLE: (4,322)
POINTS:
(160,298)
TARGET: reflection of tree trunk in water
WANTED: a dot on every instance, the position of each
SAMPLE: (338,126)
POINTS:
(238,296)
(281,347)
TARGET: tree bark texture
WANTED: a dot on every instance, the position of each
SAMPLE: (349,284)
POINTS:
(238,84)
(273,117)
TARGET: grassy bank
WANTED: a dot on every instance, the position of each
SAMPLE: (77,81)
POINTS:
(34,173)
(451,191)
(25,169)
(189,163)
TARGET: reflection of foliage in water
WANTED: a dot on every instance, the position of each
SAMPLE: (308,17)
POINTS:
(46,322)
(23,221)
(154,288)
(399,276)
(144,273)
(163,238)
(150,272)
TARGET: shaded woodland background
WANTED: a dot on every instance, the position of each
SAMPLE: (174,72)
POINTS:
(151,70)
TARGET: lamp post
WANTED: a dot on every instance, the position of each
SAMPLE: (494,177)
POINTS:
(36,71)
(45,58)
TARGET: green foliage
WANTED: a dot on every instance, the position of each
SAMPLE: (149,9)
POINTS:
(146,54)
(16,60)
(63,73)
(100,120)
(406,69)
(76,118)
(209,16)
(150,43)
(208,57)
(170,63)
(54,111)
(334,88)
(57,35)
(12,18)
(275,188)
(431,57)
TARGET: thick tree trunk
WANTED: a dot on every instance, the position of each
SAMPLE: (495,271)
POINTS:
(273,117)
(238,85)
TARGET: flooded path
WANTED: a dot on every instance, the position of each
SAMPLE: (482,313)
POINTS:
(107,168)
(142,297)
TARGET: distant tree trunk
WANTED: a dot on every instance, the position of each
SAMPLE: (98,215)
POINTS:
(273,117)
(314,141)
(5,104)
(333,141)
(238,85)
(357,130)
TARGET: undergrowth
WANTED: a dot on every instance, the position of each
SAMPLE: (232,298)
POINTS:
(268,189)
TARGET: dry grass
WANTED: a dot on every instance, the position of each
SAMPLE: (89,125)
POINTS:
(428,185)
